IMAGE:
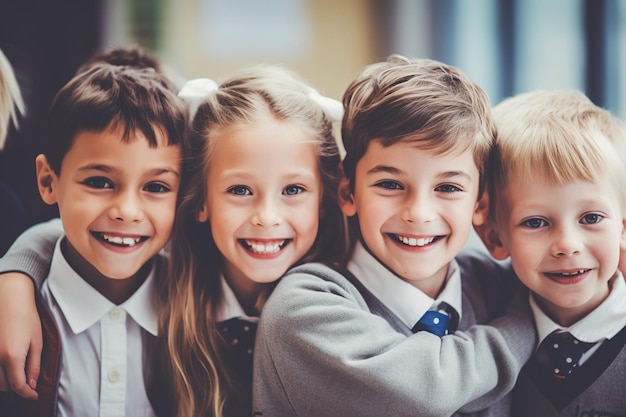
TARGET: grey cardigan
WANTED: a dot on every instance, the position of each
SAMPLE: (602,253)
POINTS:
(324,348)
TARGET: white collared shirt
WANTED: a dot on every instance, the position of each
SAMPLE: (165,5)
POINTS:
(402,298)
(102,344)
(603,323)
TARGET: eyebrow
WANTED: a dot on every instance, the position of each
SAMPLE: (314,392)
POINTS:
(384,168)
(228,174)
(396,171)
(453,174)
(108,169)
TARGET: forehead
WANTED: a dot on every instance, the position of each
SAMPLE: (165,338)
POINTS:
(108,147)
(271,146)
(411,155)
(539,191)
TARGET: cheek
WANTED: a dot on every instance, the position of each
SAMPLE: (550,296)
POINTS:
(311,218)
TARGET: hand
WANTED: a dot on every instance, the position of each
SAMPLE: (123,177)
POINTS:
(20,335)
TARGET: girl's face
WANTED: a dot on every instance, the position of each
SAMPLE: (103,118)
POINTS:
(263,200)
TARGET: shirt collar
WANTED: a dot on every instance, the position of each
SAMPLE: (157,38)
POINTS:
(402,298)
(229,306)
(602,323)
(83,306)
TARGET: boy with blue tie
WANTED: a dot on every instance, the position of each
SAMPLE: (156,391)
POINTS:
(558,193)
(340,341)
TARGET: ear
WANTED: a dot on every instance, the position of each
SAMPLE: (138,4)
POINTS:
(345,197)
(486,230)
(203,214)
(491,240)
(622,245)
(46,180)
(481,210)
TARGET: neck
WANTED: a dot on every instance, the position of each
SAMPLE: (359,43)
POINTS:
(115,290)
(246,291)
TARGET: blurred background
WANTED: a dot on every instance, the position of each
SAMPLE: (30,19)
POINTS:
(507,46)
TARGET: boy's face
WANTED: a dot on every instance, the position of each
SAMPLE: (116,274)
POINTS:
(564,241)
(264,191)
(116,200)
(414,208)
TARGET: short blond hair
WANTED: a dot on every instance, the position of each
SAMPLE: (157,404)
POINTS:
(561,135)
(11,103)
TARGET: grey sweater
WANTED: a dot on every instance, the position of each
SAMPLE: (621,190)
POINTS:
(324,348)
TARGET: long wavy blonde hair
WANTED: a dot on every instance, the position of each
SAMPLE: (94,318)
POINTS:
(202,383)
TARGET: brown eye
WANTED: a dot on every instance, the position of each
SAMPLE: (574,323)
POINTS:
(98,182)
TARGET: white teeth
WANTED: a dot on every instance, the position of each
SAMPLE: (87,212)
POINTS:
(264,249)
(580,271)
(411,241)
(118,240)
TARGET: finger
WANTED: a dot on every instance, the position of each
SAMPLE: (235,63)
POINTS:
(17,381)
(33,362)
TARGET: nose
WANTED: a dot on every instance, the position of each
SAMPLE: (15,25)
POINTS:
(127,207)
(418,208)
(567,242)
(266,213)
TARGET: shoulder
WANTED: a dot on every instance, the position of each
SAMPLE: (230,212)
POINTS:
(493,280)
(315,276)
(477,263)
(311,285)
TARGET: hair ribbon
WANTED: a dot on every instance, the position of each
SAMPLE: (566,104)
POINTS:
(333,108)
(195,91)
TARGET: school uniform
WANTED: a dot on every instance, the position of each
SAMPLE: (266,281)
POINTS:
(238,331)
(330,344)
(596,385)
(31,256)
(95,358)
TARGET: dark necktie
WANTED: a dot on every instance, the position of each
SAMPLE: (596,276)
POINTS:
(239,336)
(560,353)
(438,322)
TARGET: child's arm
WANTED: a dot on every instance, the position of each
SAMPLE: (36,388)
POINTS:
(321,352)
(20,327)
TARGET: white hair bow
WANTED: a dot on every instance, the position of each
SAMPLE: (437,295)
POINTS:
(333,108)
(195,91)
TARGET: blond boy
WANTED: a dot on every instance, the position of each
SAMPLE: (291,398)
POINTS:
(558,195)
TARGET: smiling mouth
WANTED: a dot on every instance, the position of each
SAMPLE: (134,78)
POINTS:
(416,241)
(572,274)
(264,248)
(126,241)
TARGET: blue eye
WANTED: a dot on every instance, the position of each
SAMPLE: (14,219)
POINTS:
(534,223)
(448,188)
(293,190)
(155,187)
(389,185)
(98,182)
(240,190)
(591,218)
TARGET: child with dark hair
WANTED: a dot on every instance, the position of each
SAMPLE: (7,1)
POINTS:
(112,164)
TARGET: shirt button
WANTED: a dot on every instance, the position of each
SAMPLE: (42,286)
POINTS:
(114,375)
(115,314)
